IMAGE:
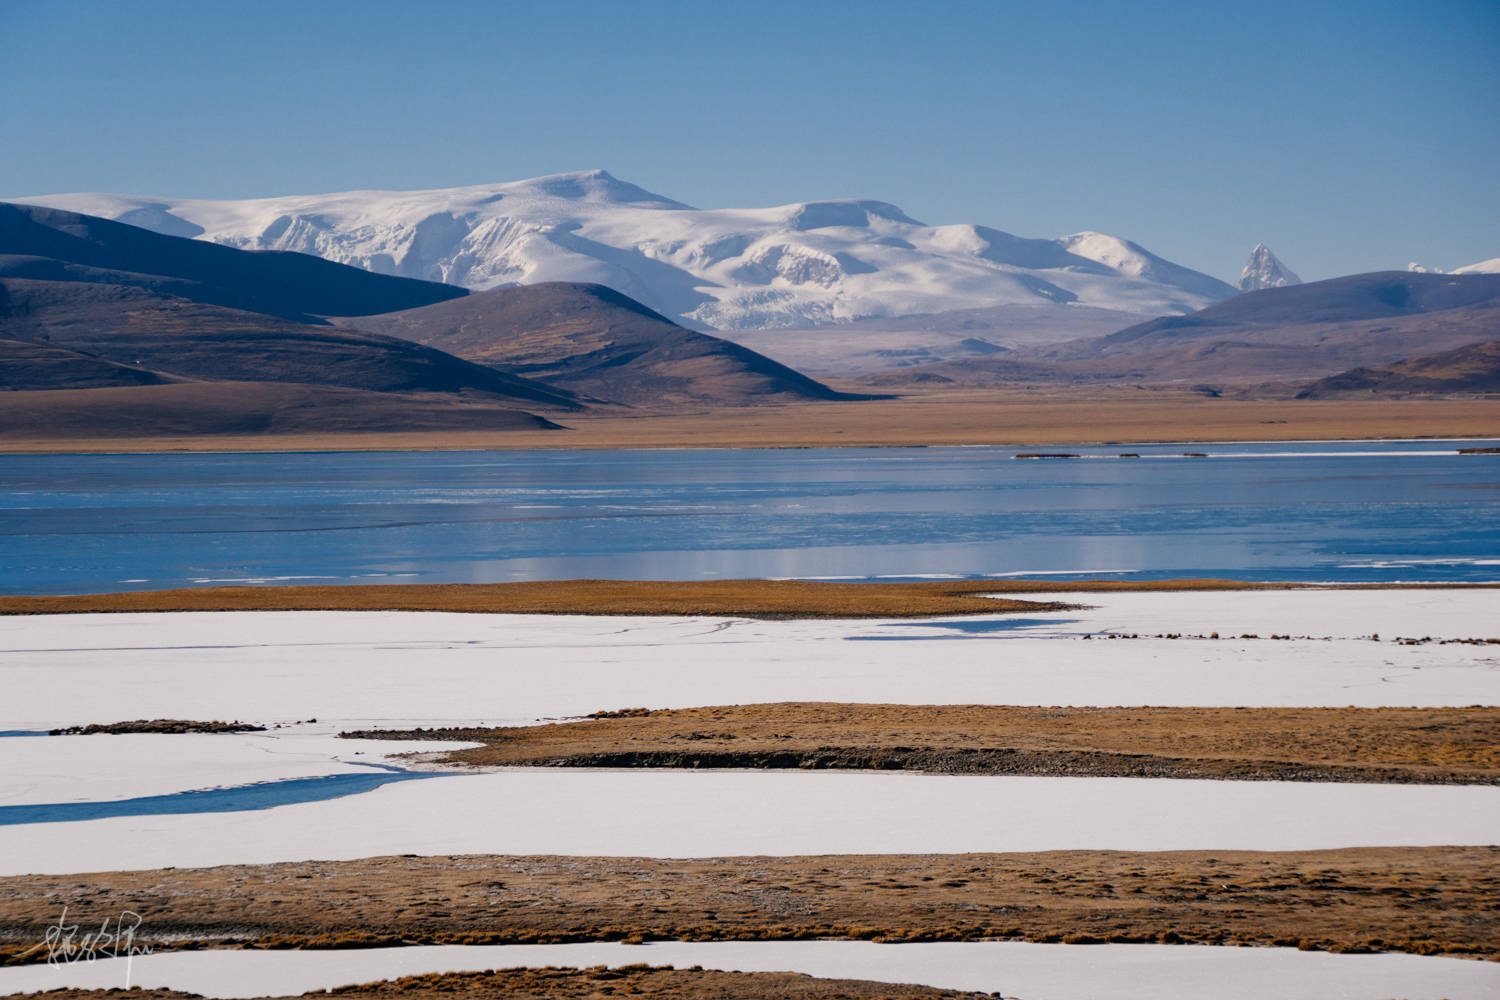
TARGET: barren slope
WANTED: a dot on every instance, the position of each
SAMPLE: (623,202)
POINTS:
(599,343)
(1471,369)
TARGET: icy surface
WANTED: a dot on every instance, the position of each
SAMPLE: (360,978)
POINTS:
(405,668)
(397,669)
(667,813)
(102,767)
(1018,969)
(799,265)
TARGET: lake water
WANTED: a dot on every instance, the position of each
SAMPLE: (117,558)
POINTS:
(1336,511)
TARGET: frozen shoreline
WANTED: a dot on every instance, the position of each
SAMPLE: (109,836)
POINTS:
(1031,971)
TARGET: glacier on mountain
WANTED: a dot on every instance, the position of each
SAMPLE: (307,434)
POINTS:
(801,265)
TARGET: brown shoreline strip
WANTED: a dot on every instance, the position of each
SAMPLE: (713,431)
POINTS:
(1035,418)
(1404,745)
(767,599)
(1420,900)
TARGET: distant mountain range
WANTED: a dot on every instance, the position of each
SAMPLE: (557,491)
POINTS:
(808,264)
(107,329)
(1291,333)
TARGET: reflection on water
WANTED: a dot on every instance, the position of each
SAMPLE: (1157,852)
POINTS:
(1362,511)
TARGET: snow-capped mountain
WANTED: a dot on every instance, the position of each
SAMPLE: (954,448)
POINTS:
(1491,266)
(800,265)
(1265,270)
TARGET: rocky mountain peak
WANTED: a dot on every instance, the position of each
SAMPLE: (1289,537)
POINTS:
(1264,270)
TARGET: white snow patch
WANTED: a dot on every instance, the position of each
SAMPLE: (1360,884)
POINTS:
(631,813)
(355,669)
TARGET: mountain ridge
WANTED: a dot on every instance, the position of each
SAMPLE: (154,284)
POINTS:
(290,285)
(805,264)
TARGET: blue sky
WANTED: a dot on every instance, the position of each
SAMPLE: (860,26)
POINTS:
(1348,136)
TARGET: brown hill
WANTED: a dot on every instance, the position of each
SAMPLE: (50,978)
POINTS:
(177,339)
(596,342)
(1471,369)
(27,365)
(1297,332)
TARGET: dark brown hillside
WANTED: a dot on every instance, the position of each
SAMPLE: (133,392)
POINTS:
(230,409)
(1472,369)
(27,365)
(179,339)
(597,342)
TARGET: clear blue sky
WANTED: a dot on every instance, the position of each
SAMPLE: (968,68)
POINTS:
(1348,136)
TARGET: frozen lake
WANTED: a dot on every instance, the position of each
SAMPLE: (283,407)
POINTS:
(353,669)
(356,669)
(1019,970)
(667,813)
(1347,511)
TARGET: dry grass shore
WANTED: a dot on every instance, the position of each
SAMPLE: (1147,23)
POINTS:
(769,599)
(1038,415)
(644,981)
(745,598)
(1409,745)
(1422,900)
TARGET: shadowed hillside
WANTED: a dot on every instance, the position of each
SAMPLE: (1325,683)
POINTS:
(54,245)
(595,341)
(1472,369)
(194,409)
(178,339)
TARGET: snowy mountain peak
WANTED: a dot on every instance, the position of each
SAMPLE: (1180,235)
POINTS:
(1491,266)
(806,264)
(1264,270)
(594,186)
(844,213)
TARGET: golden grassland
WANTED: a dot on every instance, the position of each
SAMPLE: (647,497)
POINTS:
(1421,900)
(1036,415)
(597,983)
(1422,745)
(770,599)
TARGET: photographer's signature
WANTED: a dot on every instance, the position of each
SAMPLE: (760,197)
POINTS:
(67,944)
